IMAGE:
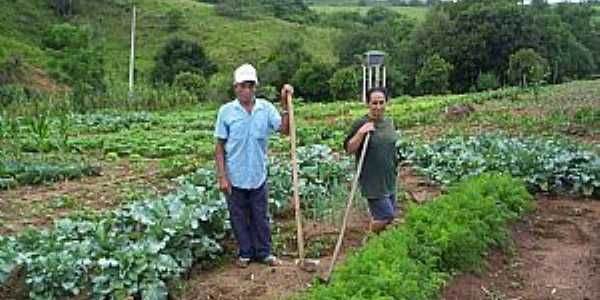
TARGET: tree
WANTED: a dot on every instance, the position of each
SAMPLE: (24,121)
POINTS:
(539,4)
(283,62)
(191,82)
(385,35)
(487,81)
(62,8)
(478,37)
(345,84)
(179,56)
(431,37)
(527,66)
(433,77)
(292,10)
(311,81)
(584,24)
(379,14)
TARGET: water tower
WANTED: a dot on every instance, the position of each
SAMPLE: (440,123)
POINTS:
(373,71)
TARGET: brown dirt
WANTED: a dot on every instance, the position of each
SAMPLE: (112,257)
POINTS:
(39,80)
(556,256)
(262,282)
(30,206)
(418,188)
(229,282)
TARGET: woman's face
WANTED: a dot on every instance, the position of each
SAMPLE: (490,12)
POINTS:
(376,105)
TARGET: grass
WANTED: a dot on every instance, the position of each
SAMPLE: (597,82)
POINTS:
(417,13)
(227,41)
(22,24)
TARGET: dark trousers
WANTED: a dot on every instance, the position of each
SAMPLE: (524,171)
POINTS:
(248,212)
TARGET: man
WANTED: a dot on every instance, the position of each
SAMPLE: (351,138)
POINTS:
(242,130)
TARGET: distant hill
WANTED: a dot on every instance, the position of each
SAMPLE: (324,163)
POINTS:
(227,41)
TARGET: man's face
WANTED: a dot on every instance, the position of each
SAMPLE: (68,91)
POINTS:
(245,90)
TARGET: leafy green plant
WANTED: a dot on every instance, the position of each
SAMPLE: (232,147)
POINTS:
(14,172)
(138,248)
(452,233)
(548,166)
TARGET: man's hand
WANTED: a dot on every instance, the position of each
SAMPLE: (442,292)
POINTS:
(224,185)
(286,90)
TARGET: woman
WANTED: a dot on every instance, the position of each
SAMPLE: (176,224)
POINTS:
(378,176)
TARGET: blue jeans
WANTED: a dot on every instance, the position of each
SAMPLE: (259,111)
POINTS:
(248,212)
(383,209)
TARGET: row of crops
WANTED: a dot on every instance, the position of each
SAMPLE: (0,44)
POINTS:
(142,246)
(450,234)
(490,178)
(26,172)
(138,248)
(545,165)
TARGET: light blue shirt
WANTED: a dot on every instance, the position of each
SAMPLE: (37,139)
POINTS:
(246,136)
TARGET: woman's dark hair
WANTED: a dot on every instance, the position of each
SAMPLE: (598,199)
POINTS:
(379,89)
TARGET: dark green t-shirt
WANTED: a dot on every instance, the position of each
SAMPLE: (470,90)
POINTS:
(378,175)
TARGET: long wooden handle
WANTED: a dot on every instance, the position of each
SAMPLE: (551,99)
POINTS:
(295,184)
(338,245)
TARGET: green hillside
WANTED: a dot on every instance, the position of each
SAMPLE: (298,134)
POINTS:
(227,41)
(416,12)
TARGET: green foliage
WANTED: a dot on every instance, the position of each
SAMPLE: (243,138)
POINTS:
(449,234)
(283,62)
(311,80)
(13,172)
(379,14)
(191,82)
(62,8)
(487,81)
(345,84)
(482,35)
(580,19)
(547,166)
(8,255)
(240,9)
(220,88)
(11,93)
(75,61)
(113,121)
(267,92)
(13,70)
(138,248)
(175,19)
(527,66)
(433,77)
(291,10)
(320,173)
(65,36)
(382,30)
(180,56)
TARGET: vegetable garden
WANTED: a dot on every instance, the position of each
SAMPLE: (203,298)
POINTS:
(490,164)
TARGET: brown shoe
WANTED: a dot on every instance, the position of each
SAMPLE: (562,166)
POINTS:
(377,226)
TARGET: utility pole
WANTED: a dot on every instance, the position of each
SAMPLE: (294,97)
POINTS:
(132,58)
